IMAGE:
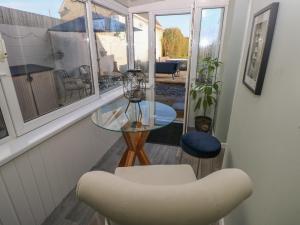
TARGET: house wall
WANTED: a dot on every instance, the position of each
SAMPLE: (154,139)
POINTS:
(115,45)
(233,40)
(33,184)
(141,38)
(158,49)
(264,134)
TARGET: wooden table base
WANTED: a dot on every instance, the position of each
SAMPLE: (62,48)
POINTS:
(135,148)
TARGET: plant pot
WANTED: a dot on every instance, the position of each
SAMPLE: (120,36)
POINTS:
(203,123)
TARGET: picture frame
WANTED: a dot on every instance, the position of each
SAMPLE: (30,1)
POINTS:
(259,49)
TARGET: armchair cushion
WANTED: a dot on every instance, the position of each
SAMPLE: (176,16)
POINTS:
(158,174)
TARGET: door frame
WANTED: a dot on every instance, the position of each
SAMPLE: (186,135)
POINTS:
(189,11)
(174,7)
(197,17)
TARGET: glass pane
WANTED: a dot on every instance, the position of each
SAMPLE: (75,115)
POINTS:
(209,44)
(3,130)
(111,43)
(140,33)
(172,45)
(48,53)
(210,35)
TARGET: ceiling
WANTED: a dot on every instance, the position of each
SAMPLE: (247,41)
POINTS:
(129,3)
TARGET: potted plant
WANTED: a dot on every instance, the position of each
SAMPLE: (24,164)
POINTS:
(205,91)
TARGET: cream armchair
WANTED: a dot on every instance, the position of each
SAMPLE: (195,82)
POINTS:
(163,195)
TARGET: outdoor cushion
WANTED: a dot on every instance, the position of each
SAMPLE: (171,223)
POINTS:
(200,144)
(166,67)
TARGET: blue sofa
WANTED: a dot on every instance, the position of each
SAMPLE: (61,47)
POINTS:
(167,68)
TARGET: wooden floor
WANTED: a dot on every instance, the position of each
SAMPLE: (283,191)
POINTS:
(167,78)
(73,212)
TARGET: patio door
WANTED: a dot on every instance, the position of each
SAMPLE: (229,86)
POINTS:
(169,56)
(208,27)
(199,26)
(172,36)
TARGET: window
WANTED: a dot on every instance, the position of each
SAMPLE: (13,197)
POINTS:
(49,59)
(3,129)
(141,36)
(210,34)
(110,31)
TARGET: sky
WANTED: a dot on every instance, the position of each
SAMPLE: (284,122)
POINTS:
(42,7)
(209,24)
(181,21)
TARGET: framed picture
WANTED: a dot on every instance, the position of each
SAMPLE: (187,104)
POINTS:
(259,47)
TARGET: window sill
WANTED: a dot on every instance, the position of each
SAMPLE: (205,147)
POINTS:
(17,146)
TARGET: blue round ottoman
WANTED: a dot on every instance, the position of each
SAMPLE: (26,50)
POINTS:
(200,144)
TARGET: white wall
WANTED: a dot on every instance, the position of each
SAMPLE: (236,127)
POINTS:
(233,38)
(116,46)
(75,49)
(34,45)
(27,45)
(141,37)
(264,132)
(33,184)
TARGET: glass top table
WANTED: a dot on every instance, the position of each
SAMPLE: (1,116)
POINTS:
(153,115)
(135,124)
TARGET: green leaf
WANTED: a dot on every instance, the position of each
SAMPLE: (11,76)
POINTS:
(214,99)
(216,86)
(209,100)
(209,90)
(198,104)
(194,95)
(205,104)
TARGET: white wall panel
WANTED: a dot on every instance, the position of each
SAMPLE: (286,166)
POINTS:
(41,180)
(49,160)
(33,184)
(30,188)
(17,195)
(7,211)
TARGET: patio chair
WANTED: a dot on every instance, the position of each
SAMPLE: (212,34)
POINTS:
(70,84)
(86,76)
(163,194)
(109,74)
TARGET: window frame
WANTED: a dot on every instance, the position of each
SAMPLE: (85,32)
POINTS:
(131,33)
(122,11)
(11,110)
(6,115)
(20,126)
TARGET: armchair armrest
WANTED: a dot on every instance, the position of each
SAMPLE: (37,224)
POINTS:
(197,203)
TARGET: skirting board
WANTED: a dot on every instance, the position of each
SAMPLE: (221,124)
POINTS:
(224,145)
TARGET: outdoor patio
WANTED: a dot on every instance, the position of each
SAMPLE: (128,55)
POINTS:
(167,78)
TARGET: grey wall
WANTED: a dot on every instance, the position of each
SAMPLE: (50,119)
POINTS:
(264,132)
(233,39)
